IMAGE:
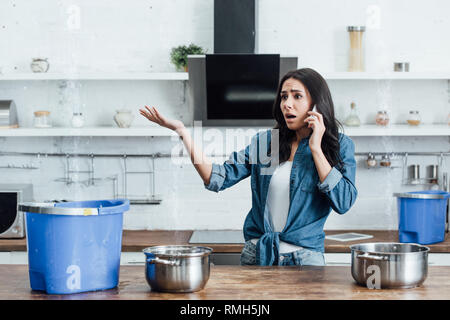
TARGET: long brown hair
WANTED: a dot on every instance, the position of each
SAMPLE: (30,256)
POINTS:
(321,97)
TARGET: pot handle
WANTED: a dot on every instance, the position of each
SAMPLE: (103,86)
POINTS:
(371,257)
(163,261)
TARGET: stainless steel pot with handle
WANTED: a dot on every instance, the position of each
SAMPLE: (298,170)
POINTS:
(389,264)
(177,268)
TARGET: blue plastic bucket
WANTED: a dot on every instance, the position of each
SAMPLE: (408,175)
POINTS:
(422,216)
(74,246)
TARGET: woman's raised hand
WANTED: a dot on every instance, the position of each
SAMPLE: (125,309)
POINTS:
(202,164)
(153,115)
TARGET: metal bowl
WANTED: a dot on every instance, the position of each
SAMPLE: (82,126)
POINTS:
(177,268)
(389,264)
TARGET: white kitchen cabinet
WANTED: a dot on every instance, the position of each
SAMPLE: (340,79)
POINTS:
(4,257)
(338,259)
(439,259)
(14,257)
(132,258)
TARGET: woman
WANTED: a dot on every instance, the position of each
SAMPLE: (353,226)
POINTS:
(316,173)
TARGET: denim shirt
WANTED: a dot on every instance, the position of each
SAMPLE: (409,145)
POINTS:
(310,200)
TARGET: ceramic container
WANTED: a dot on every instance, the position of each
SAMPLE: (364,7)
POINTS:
(39,65)
(123,118)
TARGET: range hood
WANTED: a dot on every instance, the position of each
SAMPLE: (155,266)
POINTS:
(235,89)
(235,25)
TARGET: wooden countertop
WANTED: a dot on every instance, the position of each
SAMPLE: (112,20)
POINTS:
(136,240)
(241,283)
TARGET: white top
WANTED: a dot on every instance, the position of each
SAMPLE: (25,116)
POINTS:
(278,202)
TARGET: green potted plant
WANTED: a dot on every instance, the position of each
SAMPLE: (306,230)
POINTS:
(179,54)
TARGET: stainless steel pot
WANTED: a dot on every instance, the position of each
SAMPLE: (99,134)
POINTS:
(177,268)
(389,264)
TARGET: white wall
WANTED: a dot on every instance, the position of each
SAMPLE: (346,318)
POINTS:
(137,36)
(400,30)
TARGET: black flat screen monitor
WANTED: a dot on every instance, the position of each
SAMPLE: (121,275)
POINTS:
(241,86)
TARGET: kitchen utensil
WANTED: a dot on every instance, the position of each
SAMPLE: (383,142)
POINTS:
(74,246)
(177,268)
(432,173)
(446,187)
(401,66)
(39,65)
(356,57)
(445,184)
(385,161)
(382,118)
(8,114)
(352,120)
(42,119)
(77,120)
(389,265)
(371,161)
(12,223)
(413,118)
(414,174)
(421,216)
(152,198)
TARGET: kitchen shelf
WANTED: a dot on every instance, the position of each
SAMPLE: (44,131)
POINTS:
(88,132)
(183,76)
(362,131)
(97,76)
(386,75)
(398,130)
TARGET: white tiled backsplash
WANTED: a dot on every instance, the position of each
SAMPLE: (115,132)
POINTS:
(186,204)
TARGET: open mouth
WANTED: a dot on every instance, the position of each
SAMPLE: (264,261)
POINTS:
(290,116)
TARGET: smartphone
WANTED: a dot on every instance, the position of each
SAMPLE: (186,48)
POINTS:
(315,110)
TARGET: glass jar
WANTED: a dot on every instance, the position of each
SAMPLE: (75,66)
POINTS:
(77,120)
(42,119)
(413,118)
(382,118)
(356,54)
(385,161)
(401,66)
(352,120)
(371,161)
